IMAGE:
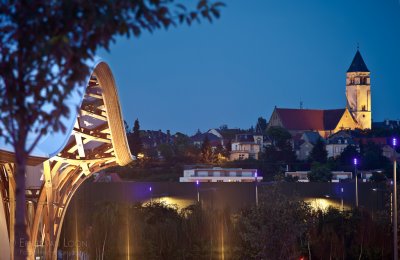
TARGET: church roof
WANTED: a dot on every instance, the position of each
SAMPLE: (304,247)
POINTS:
(358,64)
(309,119)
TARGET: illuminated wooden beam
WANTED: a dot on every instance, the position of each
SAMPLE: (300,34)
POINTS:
(79,144)
(78,162)
(94,115)
(89,137)
(94,95)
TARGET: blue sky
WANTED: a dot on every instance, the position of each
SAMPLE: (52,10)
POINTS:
(259,54)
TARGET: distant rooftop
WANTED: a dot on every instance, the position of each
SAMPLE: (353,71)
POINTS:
(310,119)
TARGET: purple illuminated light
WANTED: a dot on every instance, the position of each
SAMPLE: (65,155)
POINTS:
(355,162)
(197,182)
(150,189)
(394,142)
(255,174)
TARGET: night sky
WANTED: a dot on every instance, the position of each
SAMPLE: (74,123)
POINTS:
(258,55)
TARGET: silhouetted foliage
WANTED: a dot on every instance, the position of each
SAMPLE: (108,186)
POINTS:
(135,142)
(207,153)
(261,125)
(319,153)
(45,50)
(347,156)
(274,228)
(320,173)
(280,227)
(372,157)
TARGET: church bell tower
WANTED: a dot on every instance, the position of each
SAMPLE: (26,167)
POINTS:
(358,92)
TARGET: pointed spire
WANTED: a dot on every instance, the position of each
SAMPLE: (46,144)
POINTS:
(358,64)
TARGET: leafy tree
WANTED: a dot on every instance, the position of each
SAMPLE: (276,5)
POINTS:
(181,150)
(166,151)
(223,127)
(127,130)
(372,157)
(274,228)
(168,137)
(227,148)
(280,137)
(135,143)
(207,153)
(45,49)
(261,125)
(348,154)
(319,153)
(320,173)
(280,154)
(378,177)
(251,129)
(221,155)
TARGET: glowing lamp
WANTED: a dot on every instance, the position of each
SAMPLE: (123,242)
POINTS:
(197,182)
(394,142)
(355,161)
(255,174)
(150,188)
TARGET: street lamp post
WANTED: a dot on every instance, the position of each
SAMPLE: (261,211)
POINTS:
(197,188)
(255,179)
(341,198)
(355,161)
(395,244)
(151,194)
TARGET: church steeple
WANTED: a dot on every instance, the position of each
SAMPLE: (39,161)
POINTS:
(358,64)
(358,92)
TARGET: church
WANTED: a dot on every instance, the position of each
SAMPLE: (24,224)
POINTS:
(356,114)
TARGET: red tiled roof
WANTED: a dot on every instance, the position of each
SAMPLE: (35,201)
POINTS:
(310,119)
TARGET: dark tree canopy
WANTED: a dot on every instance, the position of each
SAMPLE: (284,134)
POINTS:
(348,154)
(207,153)
(280,137)
(320,173)
(319,153)
(46,48)
(135,143)
(261,125)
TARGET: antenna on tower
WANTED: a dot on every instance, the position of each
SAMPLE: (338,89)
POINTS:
(301,104)
(358,46)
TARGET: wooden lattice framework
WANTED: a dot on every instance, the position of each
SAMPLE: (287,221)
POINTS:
(97,141)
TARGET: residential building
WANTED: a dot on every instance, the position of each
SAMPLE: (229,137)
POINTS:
(199,138)
(336,143)
(246,146)
(302,176)
(304,143)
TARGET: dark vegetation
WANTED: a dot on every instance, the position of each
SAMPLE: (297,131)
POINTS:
(280,227)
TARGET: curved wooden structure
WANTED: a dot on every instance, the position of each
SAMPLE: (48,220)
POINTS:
(97,141)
